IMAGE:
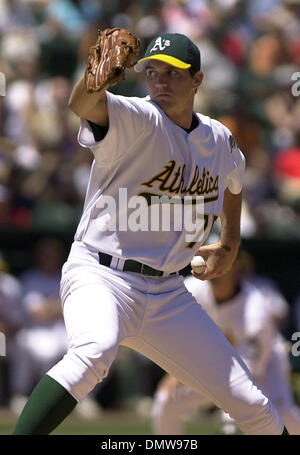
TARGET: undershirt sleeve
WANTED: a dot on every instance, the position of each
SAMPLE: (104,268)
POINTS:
(99,132)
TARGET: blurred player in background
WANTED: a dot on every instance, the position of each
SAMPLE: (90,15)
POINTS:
(278,306)
(11,320)
(245,314)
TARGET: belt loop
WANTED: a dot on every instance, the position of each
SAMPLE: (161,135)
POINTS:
(114,263)
(120,264)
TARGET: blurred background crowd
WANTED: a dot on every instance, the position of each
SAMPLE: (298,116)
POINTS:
(250,54)
(251,61)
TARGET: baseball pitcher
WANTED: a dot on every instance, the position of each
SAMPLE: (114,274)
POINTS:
(161,175)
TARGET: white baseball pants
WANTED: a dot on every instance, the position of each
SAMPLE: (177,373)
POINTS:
(169,409)
(158,317)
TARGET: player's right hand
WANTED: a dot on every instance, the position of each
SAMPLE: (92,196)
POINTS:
(219,260)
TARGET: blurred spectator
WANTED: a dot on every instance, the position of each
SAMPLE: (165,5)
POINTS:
(14,14)
(11,320)
(257,80)
(42,342)
(74,15)
(287,173)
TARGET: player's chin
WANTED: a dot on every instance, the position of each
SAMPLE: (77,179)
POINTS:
(165,104)
(163,99)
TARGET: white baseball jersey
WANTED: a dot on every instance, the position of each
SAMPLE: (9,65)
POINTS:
(245,319)
(278,305)
(148,155)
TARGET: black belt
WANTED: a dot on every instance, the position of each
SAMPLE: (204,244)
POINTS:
(130,265)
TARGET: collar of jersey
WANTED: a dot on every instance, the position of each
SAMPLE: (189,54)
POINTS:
(147,98)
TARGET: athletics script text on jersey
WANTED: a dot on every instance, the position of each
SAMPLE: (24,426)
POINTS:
(172,180)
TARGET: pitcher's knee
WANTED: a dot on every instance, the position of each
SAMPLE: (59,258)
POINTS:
(255,414)
(82,368)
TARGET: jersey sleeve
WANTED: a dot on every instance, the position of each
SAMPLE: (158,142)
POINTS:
(127,121)
(235,163)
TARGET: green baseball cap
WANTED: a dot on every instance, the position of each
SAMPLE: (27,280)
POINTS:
(172,48)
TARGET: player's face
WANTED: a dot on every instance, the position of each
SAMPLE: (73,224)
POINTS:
(171,87)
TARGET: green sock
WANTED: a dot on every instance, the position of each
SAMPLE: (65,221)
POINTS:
(48,405)
(285,431)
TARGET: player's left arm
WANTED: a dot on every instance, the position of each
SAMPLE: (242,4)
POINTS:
(220,256)
(231,224)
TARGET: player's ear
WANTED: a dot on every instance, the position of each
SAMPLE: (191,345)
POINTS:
(198,78)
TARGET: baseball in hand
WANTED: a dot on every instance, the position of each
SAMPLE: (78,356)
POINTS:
(198,264)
